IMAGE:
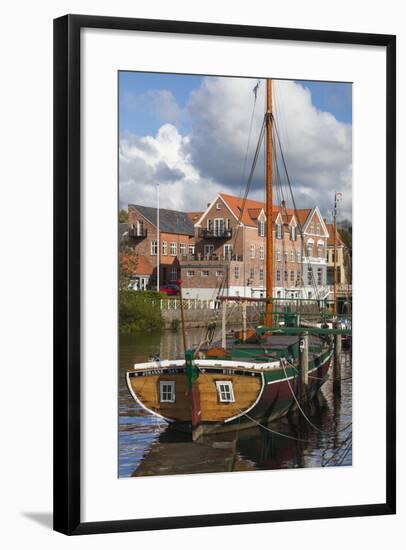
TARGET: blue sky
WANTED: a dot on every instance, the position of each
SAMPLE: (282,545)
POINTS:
(190,133)
(333,97)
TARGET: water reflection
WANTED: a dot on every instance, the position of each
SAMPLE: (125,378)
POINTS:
(290,442)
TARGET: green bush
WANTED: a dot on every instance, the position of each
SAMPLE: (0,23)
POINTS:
(139,311)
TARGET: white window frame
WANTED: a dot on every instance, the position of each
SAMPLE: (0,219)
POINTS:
(320,249)
(205,273)
(261,228)
(252,251)
(286,256)
(262,252)
(279,231)
(182,249)
(228,250)
(154,248)
(293,233)
(218,228)
(192,249)
(173,248)
(171,384)
(174,273)
(164,248)
(292,256)
(218,206)
(208,250)
(221,392)
(228,224)
(190,273)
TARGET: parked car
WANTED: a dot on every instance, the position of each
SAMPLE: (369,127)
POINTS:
(170,290)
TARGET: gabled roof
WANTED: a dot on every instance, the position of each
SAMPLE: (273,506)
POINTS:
(315,211)
(170,221)
(251,208)
(144,266)
(330,240)
(302,215)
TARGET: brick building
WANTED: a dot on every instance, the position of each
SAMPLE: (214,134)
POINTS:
(176,238)
(226,245)
(343,265)
(230,247)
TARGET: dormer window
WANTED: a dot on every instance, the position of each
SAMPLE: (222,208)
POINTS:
(318,229)
(261,228)
(293,233)
(279,231)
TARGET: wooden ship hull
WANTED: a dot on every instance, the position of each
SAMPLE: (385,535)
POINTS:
(228,394)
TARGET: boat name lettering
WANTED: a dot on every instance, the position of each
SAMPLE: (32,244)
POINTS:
(159,371)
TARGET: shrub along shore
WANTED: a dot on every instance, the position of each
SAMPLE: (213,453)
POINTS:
(140,311)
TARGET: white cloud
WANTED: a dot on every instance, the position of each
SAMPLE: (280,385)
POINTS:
(163,159)
(192,168)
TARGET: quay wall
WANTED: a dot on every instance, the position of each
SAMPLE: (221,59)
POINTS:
(195,318)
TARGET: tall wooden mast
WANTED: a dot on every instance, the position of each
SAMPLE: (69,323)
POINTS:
(269,224)
(335,258)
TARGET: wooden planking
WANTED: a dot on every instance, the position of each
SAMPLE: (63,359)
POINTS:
(146,389)
(246,390)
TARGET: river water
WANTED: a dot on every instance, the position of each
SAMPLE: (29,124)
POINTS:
(323,439)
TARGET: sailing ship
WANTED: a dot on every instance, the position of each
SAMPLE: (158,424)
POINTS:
(251,379)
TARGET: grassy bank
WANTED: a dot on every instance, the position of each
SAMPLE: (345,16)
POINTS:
(139,312)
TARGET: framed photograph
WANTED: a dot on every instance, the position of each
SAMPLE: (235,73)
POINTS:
(224,329)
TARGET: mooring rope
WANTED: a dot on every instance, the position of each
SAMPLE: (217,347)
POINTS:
(327,432)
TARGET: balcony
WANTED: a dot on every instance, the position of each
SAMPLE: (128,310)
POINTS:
(198,260)
(137,233)
(215,233)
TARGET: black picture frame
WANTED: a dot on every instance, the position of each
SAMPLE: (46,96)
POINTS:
(67,340)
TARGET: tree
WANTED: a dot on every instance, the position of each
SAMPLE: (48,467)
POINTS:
(123,216)
(128,259)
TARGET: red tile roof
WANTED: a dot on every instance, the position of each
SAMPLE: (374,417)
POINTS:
(195,216)
(330,240)
(144,266)
(253,208)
